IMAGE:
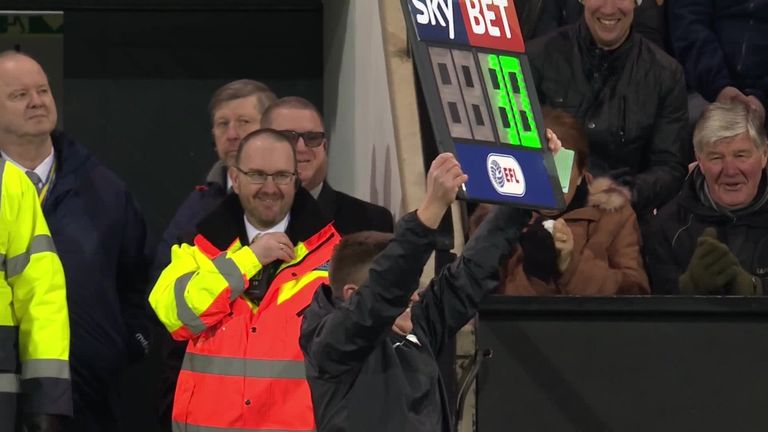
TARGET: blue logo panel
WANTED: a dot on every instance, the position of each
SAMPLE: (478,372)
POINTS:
(506,174)
(438,21)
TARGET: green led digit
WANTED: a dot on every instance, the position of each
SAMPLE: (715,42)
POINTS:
(518,95)
(499,98)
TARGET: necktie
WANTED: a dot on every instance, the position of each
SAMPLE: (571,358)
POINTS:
(36,180)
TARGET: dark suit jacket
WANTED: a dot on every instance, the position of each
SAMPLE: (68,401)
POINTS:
(351,214)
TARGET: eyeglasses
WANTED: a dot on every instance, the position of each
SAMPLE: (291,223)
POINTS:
(312,139)
(260,177)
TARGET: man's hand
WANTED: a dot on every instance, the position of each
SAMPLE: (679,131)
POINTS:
(563,237)
(729,93)
(712,268)
(754,104)
(272,246)
(443,181)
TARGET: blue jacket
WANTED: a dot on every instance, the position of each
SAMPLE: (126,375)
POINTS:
(198,204)
(722,43)
(100,237)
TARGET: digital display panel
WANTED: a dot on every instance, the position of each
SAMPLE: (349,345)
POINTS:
(482,100)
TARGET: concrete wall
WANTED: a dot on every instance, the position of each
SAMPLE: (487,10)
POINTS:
(363,160)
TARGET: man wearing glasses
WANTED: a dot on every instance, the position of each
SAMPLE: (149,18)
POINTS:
(235,110)
(236,289)
(302,124)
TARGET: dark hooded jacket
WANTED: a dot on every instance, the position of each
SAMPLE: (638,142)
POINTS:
(679,224)
(364,376)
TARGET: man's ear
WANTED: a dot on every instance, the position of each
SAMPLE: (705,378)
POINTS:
(232,173)
(348,290)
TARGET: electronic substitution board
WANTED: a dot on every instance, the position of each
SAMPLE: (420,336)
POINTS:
(481,99)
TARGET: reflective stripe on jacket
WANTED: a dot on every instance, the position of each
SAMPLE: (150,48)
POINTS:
(33,305)
(243,368)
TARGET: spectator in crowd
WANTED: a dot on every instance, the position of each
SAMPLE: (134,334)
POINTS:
(594,247)
(235,110)
(712,239)
(630,95)
(723,48)
(370,344)
(99,234)
(302,123)
(34,326)
(234,289)
(648,22)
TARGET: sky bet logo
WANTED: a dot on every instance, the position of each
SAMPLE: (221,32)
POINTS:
(506,175)
(481,23)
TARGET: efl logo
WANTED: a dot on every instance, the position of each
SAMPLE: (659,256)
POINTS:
(506,174)
(481,23)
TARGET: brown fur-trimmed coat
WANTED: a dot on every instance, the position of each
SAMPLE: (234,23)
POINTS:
(606,259)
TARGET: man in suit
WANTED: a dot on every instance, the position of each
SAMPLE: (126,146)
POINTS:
(301,122)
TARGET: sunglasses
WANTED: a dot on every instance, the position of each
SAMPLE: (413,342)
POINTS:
(311,139)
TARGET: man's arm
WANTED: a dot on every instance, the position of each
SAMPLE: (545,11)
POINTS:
(35,274)
(697,47)
(663,270)
(195,291)
(667,157)
(453,297)
(132,273)
(346,336)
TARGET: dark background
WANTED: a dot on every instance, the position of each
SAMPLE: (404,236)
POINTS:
(137,78)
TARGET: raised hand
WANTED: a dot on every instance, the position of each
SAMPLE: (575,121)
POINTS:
(272,246)
(443,181)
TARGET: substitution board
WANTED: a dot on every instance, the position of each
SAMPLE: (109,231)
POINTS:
(481,99)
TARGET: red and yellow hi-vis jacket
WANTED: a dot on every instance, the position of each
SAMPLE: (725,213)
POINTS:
(243,368)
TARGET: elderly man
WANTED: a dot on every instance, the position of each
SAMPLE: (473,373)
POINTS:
(99,234)
(302,124)
(235,290)
(630,95)
(235,110)
(713,238)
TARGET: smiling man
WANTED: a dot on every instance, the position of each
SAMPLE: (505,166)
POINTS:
(713,238)
(302,124)
(235,289)
(629,94)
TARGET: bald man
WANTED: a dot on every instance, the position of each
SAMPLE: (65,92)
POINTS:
(97,230)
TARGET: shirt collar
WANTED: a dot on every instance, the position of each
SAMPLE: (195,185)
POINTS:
(316,191)
(254,232)
(42,170)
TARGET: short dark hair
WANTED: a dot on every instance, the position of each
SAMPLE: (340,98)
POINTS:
(571,133)
(241,89)
(265,132)
(289,102)
(353,258)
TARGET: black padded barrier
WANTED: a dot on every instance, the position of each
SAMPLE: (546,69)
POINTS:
(623,364)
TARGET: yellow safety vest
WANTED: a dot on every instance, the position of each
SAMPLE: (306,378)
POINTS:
(33,306)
